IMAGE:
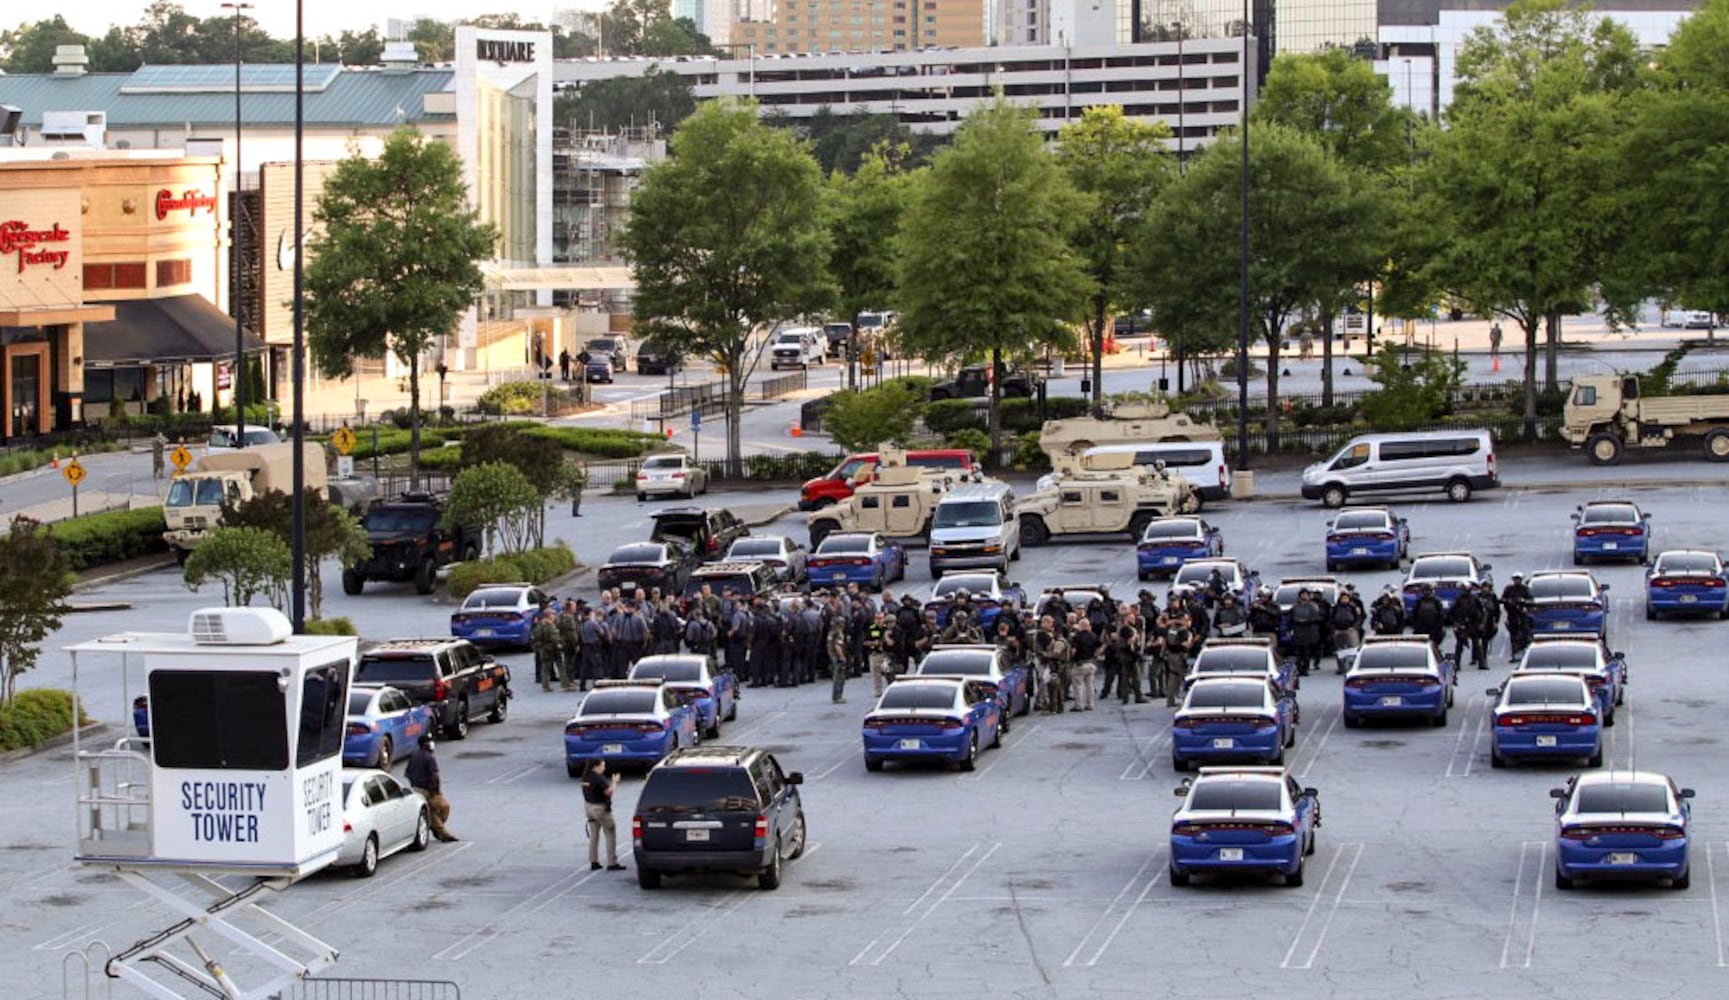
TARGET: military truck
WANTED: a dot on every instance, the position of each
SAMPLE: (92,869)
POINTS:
(972,382)
(1606,415)
(193,507)
(899,502)
(1130,423)
(1111,495)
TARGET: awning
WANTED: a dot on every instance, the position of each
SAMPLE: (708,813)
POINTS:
(180,328)
(509,278)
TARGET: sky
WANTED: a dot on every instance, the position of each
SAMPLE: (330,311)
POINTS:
(332,17)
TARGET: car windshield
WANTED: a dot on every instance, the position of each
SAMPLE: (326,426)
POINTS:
(1560,656)
(1232,660)
(639,553)
(846,544)
(390,669)
(1552,587)
(972,583)
(1171,529)
(1610,513)
(634,701)
(1228,695)
(1547,691)
(603,344)
(938,461)
(755,548)
(1634,798)
(1202,572)
(968,514)
(493,598)
(396,520)
(958,662)
(1678,562)
(664,462)
(1359,521)
(358,701)
(697,789)
(1286,594)
(1442,568)
(1393,658)
(670,670)
(1226,796)
(910,696)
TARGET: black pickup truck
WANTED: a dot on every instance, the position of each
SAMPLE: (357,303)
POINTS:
(970,383)
(452,676)
(409,542)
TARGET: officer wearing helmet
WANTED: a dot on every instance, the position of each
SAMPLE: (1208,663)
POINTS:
(961,628)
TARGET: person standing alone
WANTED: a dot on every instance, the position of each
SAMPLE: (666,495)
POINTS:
(597,789)
(423,777)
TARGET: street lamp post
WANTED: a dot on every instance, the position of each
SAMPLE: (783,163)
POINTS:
(298,364)
(1182,142)
(238,378)
(1243,263)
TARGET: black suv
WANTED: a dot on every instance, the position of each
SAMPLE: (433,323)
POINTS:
(718,809)
(970,383)
(709,533)
(652,359)
(452,676)
(409,542)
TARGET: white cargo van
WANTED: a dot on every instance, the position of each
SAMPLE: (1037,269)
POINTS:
(1457,463)
(974,527)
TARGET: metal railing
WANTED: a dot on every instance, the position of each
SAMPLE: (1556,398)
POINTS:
(371,989)
(782,385)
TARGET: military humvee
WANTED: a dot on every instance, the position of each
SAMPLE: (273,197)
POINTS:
(899,503)
(1113,495)
(1128,423)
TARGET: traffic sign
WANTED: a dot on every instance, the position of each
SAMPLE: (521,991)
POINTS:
(180,457)
(73,472)
(343,439)
(696,421)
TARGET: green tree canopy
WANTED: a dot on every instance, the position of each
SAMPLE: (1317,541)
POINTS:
(865,211)
(331,532)
(657,98)
(498,497)
(1340,100)
(540,460)
(727,237)
(34,581)
(860,420)
(985,266)
(249,562)
(29,48)
(395,262)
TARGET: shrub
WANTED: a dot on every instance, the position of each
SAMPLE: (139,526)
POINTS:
(1022,415)
(593,441)
(441,458)
(111,536)
(541,565)
(1028,454)
(533,566)
(34,716)
(945,416)
(522,398)
(795,466)
(330,626)
(860,420)
(970,438)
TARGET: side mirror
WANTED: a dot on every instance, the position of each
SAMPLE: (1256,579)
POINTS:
(1493,692)
(1687,793)
(1557,793)
(1486,567)
(1313,793)
(1182,791)
(1602,586)
(795,778)
(1617,655)
(1574,515)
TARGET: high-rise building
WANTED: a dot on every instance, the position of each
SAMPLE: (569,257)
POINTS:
(782,26)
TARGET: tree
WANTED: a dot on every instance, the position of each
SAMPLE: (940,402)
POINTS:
(727,235)
(657,97)
(843,141)
(862,419)
(865,213)
(540,460)
(331,532)
(29,48)
(397,259)
(1300,203)
(34,581)
(984,263)
(1119,166)
(1520,184)
(435,41)
(1412,392)
(675,36)
(499,497)
(352,49)
(248,561)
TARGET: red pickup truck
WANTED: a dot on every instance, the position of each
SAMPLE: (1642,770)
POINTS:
(856,470)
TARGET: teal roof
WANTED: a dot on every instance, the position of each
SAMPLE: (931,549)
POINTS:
(173,97)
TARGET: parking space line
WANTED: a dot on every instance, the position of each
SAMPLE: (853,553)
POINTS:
(1140,769)
(85,932)
(1321,892)
(511,777)
(1314,749)
(1716,916)
(460,948)
(439,856)
(1476,723)
(1509,957)
(866,956)
(832,768)
(1140,879)
(661,954)
(1624,727)
(754,723)
(1020,736)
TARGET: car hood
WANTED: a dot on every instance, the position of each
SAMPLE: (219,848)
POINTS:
(375,537)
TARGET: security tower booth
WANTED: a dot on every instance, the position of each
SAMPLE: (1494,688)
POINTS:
(237,789)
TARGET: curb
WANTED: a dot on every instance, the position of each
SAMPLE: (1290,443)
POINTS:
(139,568)
(760,520)
(90,731)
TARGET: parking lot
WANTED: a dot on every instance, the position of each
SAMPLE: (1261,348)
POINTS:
(1041,873)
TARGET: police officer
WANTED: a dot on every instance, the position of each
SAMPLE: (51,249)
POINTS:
(1051,661)
(1084,645)
(630,638)
(1466,617)
(1347,620)
(1229,620)
(1516,605)
(1306,624)
(543,636)
(699,633)
(569,642)
(1124,648)
(810,632)
(1387,614)
(1428,616)
(1264,615)
(593,637)
(1175,652)
(878,640)
(961,628)
(666,629)
(1491,617)
(738,625)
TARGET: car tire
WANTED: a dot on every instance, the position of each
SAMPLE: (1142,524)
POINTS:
(1651,615)
(971,760)
(573,769)
(1332,566)
(368,864)
(1014,556)
(1603,449)
(768,879)
(1459,489)
(1138,525)
(1717,446)
(458,728)
(1495,758)
(642,498)
(1440,721)
(1295,879)
(1034,533)
(732,710)
(873,764)
(713,731)
(1309,848)
(1350,721)
(1334,495)
(1178,877)
(1179,765)
(386,754)
(820,530)
(1143,575)
(1003,730)
(470,552)
(1609,717)
(1563,883)
(1595,760)
(352,582)
(1278,758)
(500,708)
(1450,688)
(647,878)
(1682,882)
(422,832)
(798,837)
(426,578)
(997,737)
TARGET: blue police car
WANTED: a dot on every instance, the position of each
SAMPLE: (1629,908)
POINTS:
(988,591)
(1447,572)
(1398,676)
(1611,529)
(1569,602)
(1545,716)
(1622,826)
(1367,536)
(1225,719)
(1169,542)
(628,722)
(1605,672)
(862,557)
(691,678)
(947,719)
(1686,582)
(1252,820)
(381,721)
(988,664)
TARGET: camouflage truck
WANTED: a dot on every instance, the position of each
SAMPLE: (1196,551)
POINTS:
(899,502)
(1111,495)
(1130,423)
(1605,415)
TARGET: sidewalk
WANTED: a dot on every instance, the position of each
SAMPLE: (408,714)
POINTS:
(89,502)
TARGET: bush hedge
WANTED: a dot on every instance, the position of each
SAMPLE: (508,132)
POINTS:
(533,566)
(947,416)
(35,716)
(594,441)
(109,537)
(330,626)
(796,466)
(523,398)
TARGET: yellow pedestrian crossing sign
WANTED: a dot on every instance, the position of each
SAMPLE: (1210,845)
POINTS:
(180,457)
(73,472)
(343,439)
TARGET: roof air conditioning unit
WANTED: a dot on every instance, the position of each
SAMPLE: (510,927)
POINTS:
(240,627)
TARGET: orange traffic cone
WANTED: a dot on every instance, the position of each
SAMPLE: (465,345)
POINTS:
(795,431)
(55,464)
(1496,359)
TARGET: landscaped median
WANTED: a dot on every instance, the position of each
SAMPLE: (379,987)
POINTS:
(35,716)
(109,537)
(535,566)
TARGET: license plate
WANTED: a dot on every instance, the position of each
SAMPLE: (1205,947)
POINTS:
(1224,743)
(696,835)
(483,631)
(1608,546)
(910,744)
(1392,701)
(1545,741)
(1562,626)
(838,574)
(1230,854)
(1172,559)
(1689,599)
(1359,552)
(612,748)
(1623,859)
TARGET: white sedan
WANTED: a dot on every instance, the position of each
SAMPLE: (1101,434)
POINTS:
(381,816)
(670,475)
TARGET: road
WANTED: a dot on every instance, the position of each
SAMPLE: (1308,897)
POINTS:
(1041,874)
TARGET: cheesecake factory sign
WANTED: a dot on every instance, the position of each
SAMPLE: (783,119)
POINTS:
(35,245)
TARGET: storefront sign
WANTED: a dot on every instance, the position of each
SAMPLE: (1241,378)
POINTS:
(490,50)
(16,237)
(187,201)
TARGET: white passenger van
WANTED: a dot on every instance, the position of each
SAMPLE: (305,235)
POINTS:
(1456,463)
(1202,463)
(974,527)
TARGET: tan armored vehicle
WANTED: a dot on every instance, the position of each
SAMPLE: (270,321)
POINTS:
(1605,415)
(1111,495)
(1131,423)
(899,502)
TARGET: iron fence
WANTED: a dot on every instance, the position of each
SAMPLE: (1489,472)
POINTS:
(782,385)
(371,989)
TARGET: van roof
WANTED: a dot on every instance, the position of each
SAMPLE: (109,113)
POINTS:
(1482,432)
(976,491)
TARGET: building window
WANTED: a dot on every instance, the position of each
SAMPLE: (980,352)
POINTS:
(173,272)
(101,277)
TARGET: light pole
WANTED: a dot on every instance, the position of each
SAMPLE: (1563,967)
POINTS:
(297,536)
(1182,143)
(238,378)
(1243,264)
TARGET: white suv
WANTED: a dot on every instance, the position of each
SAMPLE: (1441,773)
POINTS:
(797,347)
